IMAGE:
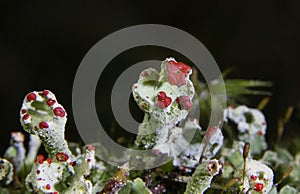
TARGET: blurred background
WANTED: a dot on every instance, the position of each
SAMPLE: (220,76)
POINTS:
(43,42)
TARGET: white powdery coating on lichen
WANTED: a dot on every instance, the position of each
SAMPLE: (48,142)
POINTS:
(6,171)
(39,110)
(44,174)
(251,126)
(237,115)
(34,146)
(146,90)
(263,175)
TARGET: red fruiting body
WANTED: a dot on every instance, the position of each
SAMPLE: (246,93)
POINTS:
(45,92)
(185,102)
(90,147)
(2,166)
(177,72)
(38,171)
(161,95)
(58,111)
(48,187)
(88,160)
(163,101)
(181,66)
(55,192)
(39,159)
(73,163)
(49,160)
(25,117)
(258,187)
(253,177)
(167,101)
(260,133)
(50,102)
(43,125)
(62,157)
(31,96)
(23,111)
(209,133)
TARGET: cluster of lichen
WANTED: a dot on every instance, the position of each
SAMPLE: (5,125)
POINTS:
(200,161)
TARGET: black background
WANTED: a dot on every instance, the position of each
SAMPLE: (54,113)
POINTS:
(43,42)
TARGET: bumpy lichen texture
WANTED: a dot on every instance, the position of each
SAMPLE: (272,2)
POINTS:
(259,177)
(63,175)
(6,172)
(203,176)
(251,124)
(43,116)
(166,98)
(61,172)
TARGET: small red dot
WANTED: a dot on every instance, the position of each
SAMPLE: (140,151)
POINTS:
(38,171)
(25,117)
(62,157)
(260,133)
(49,160)
(253,177)
(167,101)
(58,111)
(23,111)
(31,96)
(48,187)
(258,187)
(73,163)
(43,125)
(50,102)
(55,192)
(161,95)
(163,101)
(45,92)
(88,160)
(39,159)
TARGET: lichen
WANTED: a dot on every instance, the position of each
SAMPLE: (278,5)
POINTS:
(43,116)
(61,171)
(166,98)
(6,172)
(202,177)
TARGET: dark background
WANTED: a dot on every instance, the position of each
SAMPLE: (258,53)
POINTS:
(43,42)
